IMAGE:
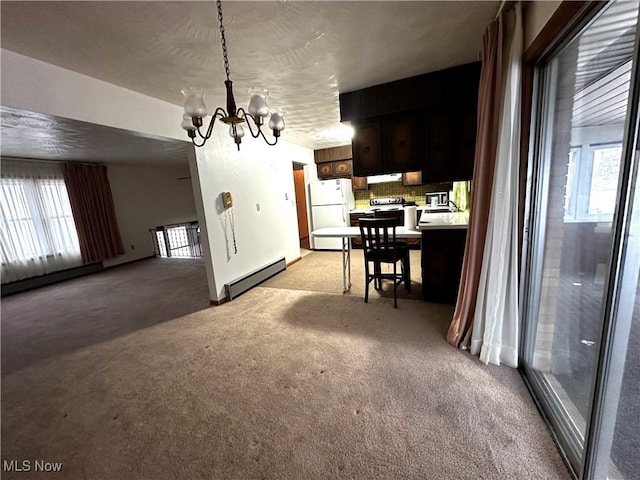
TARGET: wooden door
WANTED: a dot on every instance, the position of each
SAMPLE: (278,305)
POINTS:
(301,208)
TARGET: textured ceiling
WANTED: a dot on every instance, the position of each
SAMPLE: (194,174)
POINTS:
(305,53)
(39,136)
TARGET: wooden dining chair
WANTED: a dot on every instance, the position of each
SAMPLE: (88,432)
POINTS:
(381,247)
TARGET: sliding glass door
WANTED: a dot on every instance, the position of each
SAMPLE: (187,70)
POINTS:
(582,252)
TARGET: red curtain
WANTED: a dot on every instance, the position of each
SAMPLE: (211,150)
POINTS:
(489,106)
(93,211)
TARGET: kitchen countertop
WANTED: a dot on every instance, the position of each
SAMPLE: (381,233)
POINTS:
(434,221)
(371,210)
(444,221)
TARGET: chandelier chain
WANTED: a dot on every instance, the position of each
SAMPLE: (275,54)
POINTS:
(223,40)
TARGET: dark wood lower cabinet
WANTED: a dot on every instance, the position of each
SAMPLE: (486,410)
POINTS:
(442,255)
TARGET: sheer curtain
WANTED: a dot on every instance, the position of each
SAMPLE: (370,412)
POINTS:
(495,325)
(37,231)
(486,315)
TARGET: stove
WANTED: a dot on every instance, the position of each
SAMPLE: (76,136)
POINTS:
(389,203)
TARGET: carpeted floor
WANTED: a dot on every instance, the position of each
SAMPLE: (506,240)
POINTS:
(134,379)
(322,272)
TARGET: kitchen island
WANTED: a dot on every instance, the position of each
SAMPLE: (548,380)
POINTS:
(443,242)
(445,235)
(443,221)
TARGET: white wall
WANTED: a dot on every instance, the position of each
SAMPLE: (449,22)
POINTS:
(36,86)
(536,15)
(145,198)
(258,175)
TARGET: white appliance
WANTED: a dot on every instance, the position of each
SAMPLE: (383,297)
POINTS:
(331,201)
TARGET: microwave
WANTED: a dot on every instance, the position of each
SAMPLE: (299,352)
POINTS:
(437,199)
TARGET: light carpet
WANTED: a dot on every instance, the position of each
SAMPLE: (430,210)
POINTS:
(322,272)
(277,384)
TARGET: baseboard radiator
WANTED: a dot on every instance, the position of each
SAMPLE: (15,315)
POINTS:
(50,278)
(250,280)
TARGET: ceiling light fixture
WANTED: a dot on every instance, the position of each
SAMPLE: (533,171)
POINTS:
(195,109)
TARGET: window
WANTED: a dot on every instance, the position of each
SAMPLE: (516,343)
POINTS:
(38,230)
(604,180)
(592,181)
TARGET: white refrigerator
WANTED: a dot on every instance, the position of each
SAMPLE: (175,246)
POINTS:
(331,201)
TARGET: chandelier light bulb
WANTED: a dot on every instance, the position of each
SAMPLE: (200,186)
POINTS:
(258,104)
(236,131)
(276,123)
(194,103)
(187,123)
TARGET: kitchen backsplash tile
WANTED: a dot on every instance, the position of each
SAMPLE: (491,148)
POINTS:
(396,189)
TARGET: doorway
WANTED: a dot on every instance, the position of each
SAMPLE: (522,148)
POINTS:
(581,301)
(301,204)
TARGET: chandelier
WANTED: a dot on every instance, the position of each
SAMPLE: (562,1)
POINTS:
(195,109)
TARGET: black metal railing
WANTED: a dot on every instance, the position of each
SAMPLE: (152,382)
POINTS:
(181,241)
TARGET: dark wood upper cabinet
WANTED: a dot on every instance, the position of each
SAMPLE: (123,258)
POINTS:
(423,123)
(359,183)
(325,170)
(410,179)
(402,149)
(332,154)
(334,162)
(439,148)
(430,90)
(466,126)
(387,145)
(342,168)
(367,149)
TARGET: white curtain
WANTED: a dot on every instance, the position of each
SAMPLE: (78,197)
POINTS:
(495,333)
(37,231)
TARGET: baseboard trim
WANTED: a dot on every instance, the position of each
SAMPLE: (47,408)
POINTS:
(254,278)
(52,278)
(217,303)
(294,261)
(123,264)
